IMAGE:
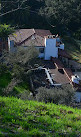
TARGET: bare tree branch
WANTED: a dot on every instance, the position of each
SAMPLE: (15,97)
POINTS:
(13,10)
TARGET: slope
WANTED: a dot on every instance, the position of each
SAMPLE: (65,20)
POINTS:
(36,119)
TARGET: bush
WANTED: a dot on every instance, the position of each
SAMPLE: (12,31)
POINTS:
(62,95)
(77,34)
(3,69)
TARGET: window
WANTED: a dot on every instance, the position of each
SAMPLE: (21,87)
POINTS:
(41,50)
(58,40)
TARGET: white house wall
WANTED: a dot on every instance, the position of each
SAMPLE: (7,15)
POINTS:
(50,48)
(8,43)
(11,46)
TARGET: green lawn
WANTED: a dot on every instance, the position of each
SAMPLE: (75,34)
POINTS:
(33,119)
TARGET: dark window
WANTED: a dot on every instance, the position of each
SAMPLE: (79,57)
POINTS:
(41,50)
(58,40)
(25,46)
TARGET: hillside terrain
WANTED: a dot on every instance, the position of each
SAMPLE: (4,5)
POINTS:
(73,47)
(20,114)
(33,119)
(26,118)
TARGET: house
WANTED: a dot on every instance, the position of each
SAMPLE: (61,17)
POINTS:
(50,47)
(46,43)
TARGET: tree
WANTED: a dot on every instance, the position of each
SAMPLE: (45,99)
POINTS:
(5,31)
(22,13)
(20,61)
(17,65)
(60,95)
(57,15)
(14,11)
(63,14)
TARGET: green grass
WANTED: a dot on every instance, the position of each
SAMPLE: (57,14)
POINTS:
(33,119)
(21,87)
(20,118)
(73,47)
(21,90)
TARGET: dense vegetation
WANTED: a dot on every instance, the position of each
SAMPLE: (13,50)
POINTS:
(5,30)
(57,15)
(31,118)
(27,118)
(64,15)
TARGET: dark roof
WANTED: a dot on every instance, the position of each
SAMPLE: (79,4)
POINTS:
(64,53)
(22,35)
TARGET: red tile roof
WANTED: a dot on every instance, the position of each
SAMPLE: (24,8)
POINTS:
(22,35)
(57,76)
(38,41)
(42,33)
(68,73)
(59,65)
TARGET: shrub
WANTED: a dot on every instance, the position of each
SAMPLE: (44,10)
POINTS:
(3,69)
(61,95)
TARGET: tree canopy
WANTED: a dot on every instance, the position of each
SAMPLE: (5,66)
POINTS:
(56,15)
(5,30)
(63,15)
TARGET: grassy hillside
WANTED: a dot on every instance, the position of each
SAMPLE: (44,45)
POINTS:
(73,47)
(20,118)
(32,119)
(18,90)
